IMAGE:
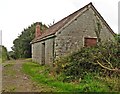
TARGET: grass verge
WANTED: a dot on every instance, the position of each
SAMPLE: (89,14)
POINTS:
(87,84)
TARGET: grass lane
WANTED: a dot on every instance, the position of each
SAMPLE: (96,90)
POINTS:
(40,75)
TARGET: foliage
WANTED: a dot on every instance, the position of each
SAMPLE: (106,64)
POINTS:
(4,53)
(89,83)
(117,37)
(103,60)
(11,55)
(98,28)
(22,47)
(8,65)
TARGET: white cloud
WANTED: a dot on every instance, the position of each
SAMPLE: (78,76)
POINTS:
(18,14)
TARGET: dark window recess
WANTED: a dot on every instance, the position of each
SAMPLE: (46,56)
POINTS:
(43,53)
(90,41)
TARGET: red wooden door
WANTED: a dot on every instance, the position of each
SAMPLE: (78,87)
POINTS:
(90,42)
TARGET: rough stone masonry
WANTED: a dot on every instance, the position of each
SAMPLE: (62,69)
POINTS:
(79,29)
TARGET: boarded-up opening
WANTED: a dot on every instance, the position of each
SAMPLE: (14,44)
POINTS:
(43,53)
(90,41)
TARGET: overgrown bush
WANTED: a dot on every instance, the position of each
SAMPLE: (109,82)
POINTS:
(3,54)
(103,60)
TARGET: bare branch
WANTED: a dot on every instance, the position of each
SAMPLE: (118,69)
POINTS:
(109,63)
(116,69)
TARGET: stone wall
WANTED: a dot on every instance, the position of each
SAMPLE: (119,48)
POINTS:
(37,51)
(71,38)
(49,51)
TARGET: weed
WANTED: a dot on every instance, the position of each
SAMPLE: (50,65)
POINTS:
(8,65)
(89,83)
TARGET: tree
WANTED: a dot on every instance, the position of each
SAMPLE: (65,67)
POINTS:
(4,53)
(22,47)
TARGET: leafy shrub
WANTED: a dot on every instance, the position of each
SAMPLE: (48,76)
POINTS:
(3,53)
(117,38)
(88,84)
(102,59)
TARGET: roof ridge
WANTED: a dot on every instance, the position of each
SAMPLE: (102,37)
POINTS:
(72,13)
(103,20)
(65,20)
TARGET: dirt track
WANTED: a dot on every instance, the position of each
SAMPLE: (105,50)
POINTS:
(14,80)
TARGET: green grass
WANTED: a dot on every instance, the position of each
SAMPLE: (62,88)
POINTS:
(87,84)
(35,71)
(11,89)
(9,71)
(8,65)
(0,60)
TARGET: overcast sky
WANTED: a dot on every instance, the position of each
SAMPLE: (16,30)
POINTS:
(15,15)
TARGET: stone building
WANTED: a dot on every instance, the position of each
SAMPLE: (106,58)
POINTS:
(85,27)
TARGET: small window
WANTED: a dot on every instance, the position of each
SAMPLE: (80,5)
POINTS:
(88,42)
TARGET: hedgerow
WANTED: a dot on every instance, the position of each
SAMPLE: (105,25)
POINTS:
(102,59)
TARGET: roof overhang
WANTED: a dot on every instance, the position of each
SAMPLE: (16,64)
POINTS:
(42,39)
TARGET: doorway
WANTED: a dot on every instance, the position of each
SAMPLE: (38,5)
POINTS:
(43,53)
